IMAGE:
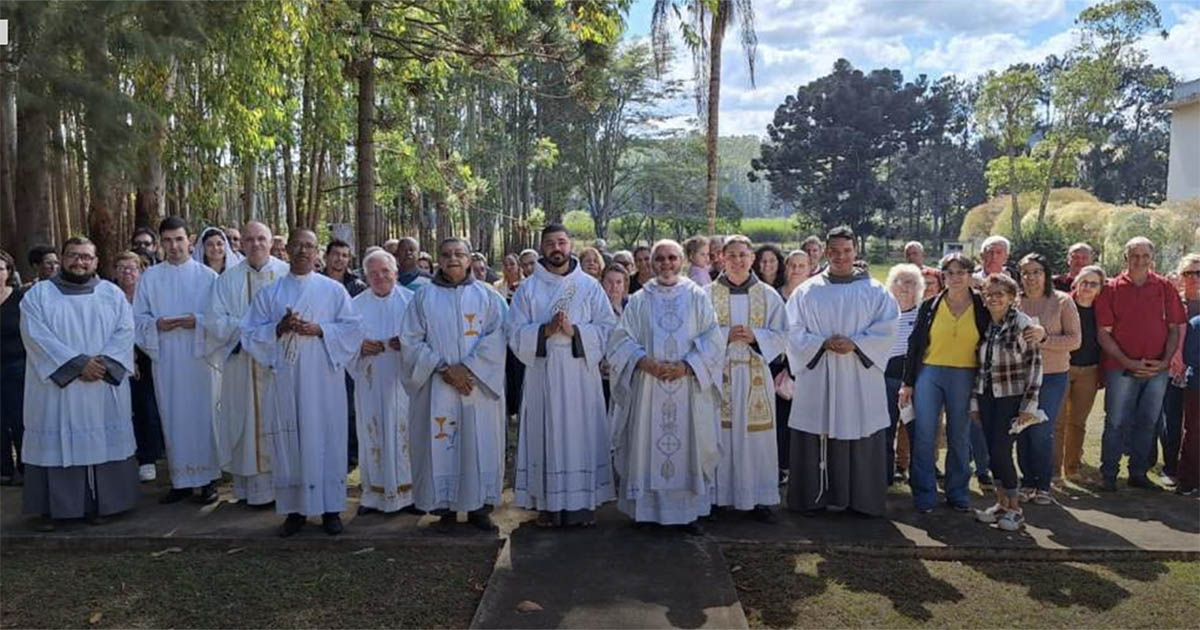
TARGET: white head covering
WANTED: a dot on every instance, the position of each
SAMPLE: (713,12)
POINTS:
(231,257)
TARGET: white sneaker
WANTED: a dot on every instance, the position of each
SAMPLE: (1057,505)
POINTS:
(1043,497)
(1025,495)
(1011,521)
(147,472)
(990,515)
(1167,480)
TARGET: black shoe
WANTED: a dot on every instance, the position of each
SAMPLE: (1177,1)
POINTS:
(692,529)
(331,523)
(175,495)
(812,512)
(763,514)
(1108,485)
(446,523)
(364,510)
(95,519)
(986,482)
(482,522)
(206,494)
(292,524)
(412,509)
(1144,483)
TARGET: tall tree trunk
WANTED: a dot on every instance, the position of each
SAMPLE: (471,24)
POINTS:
(58,178)
(368,227)
(8,155)
(249,187)
(1012,188)
(152,182)
(1054,157)
(32,198)
(289,189)
(716,39)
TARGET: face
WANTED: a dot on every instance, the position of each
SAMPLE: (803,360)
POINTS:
(128,273)
(1190,277)
(527,263)
(1033,279)
(479,267)
(5,273)
(667,261)
(235,239)
(279,248)
(769,265)
(1087,287)
(841,253)
(614,287)
(425,264)
(797,269)
(214,248)
(626,261)
(914,255)
(956,277)
(996,299)
(175,245)
(591,265)
(641,260)
(738,259)
(1140,259)
(48,267)
(556,248)
(302,252)
(143,243)
(933,284)
(1079,259)
(454,261)
(337,259)
(995,256)
(512,269)
(904,288)
(381,277)
(407,253)
(700,258)
(814,251)
(80,260)
(716,254)
(257,244)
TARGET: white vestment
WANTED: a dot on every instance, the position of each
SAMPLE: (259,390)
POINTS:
(747,474)
(185,384)
(840,396)
(242,444)
(563,451)
(306,388)
(457,442)
(82,424)
(665,433)
(381,405)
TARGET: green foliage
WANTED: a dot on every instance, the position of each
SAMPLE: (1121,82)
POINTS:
(769,229)
(1031,172)
(1048,240)
(579,223)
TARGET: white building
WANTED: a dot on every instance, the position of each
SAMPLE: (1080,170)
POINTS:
(1183,174)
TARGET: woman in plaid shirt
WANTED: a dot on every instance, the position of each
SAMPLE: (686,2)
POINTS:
(1005,397)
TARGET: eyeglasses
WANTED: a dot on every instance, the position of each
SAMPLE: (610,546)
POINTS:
(1090,284)
(1191,272)
(956,272)
(140,243)
(995,295)
(79,257)
(1031,273)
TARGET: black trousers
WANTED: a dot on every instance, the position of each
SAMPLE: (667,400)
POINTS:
(12,417)
(147,424)
(996,416)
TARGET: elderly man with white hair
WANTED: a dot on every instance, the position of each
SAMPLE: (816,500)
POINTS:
(243,441)
(993,254)
(666,360)
(914,253)
(380,402)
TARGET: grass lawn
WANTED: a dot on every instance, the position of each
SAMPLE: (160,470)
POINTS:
(780,590)
(396,585)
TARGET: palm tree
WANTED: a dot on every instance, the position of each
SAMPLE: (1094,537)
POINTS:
(704,34)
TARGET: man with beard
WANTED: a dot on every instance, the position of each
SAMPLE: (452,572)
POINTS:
(453,368)
(78,449)
(665,359)
(145,243)
(408,274)
(304,330)
(168,311)
(558,325)
(243,444)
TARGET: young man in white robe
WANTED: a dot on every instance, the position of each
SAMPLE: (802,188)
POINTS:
(453,353)
(841,325)
(243,443)
(752,320)
(168,313)
(665,357)
(558,326)
(79,444)
(304,330)
(381,404)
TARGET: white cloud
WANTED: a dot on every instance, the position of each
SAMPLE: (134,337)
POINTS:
(1180,52)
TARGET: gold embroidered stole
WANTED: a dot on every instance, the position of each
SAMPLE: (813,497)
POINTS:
(759,416)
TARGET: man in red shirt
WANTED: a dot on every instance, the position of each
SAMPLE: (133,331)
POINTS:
(1136,318)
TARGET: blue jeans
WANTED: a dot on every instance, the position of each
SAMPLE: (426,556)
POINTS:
(980,449)
(936,387)
(1035,445)
(1131,406)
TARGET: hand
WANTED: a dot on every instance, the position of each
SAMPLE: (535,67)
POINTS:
(840,344)
(460,378)
(165,324)
(309,329)
(187,322)
(287,324)
(371,348)
(394,343)
(743,334)
(674,371)
(604,367)
(1152,366)
(649,366)
(561,323)
(1034,335)
(904,398)
(94,370)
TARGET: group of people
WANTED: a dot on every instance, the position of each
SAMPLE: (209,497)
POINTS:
(679,380)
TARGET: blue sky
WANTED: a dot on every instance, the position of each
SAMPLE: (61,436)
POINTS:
(800,39)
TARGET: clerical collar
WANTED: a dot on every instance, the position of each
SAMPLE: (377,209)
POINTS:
(572,263)
(70,284)
(737,289)
(441,280)
(859,274)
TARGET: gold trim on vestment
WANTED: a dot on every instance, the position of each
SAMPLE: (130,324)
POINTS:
(759,416)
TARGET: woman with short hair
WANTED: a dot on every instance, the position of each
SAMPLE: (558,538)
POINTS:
(1083,376)
(906,283)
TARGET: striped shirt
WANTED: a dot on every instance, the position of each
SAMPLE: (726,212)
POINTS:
(904,328)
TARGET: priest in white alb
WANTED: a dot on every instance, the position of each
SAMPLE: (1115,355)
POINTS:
(243,443)
(304,330)
(168,313)
(381,404)
(452,353)
(666,356)
(78,450)
(753,322)
(841,325)
(558,326)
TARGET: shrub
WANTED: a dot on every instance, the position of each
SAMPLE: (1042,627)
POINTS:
(1048,241)
(768,229)
(580,224)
